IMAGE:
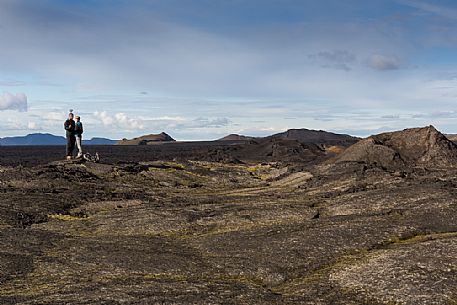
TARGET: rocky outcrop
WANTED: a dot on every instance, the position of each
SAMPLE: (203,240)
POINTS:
(305,136)
(410,147)
(147,139)
(283,150)
(235,137)
(319,137)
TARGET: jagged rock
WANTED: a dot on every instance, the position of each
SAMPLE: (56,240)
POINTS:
(410,147)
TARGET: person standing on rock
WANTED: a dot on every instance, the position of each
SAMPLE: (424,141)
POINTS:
(69,126)
(78,134)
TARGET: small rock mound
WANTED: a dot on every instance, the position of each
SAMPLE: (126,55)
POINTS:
(236,137)
(410,147)
(147,139)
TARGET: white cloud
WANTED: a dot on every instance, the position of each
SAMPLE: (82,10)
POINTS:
(169,118)
(119,120)
(123,120)
(10,101)
(104,118)
(54,116)
(31,125)
(208,123)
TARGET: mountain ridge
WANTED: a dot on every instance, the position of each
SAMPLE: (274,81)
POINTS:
(43,139)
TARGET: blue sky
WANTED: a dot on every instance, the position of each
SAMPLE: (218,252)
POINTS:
(200,69)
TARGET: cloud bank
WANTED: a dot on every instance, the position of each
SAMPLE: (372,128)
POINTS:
(122,121)
(16,101)
(119,121)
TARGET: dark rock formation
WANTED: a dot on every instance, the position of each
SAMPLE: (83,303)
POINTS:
(147,139)
(410,147)
(316,137)
(271,149)
(236,137)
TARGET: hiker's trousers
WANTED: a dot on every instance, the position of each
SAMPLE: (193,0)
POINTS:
(70,145)
(78,144)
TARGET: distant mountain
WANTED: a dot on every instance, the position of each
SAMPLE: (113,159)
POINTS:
(236,137)
(99,141)
(292,145)
(147,139)
(48,139)
(34,139)
(316,137)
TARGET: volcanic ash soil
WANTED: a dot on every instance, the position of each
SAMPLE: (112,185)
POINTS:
(374,225)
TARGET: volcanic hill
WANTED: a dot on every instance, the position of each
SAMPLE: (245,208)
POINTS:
(236,137)
(316,137)
(293,145)
(147,139)
(297,145)
(410,147)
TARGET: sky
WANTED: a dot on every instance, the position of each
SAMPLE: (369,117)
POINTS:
(201,69)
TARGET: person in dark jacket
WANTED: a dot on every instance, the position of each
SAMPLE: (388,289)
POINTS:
(70,133)
(78,133)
